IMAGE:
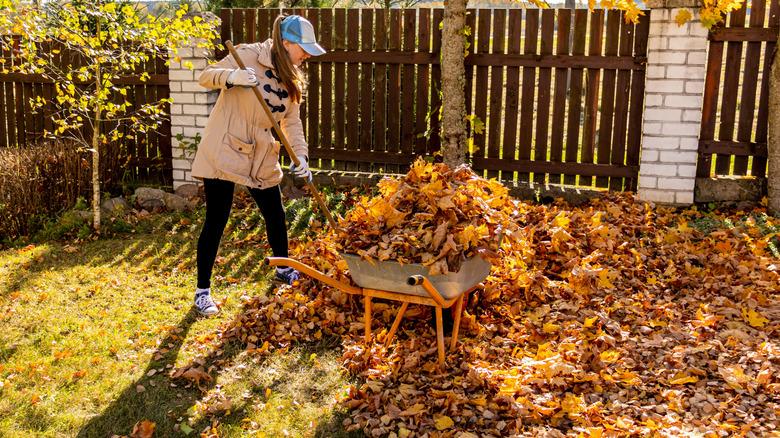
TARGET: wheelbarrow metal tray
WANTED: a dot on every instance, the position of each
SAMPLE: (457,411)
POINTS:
(390,275)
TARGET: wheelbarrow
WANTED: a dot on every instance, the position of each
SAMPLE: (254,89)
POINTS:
(407,283)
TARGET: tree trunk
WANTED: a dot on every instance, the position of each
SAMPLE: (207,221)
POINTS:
(453,81)
(96,154)
(773,138)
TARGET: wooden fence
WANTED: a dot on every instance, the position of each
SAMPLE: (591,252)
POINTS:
(736,103)
(560,93)
(145,156)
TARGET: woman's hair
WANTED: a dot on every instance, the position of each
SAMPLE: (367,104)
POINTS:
(293,78)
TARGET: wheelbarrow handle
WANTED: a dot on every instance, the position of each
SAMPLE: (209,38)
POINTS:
(419,280)
(284,261)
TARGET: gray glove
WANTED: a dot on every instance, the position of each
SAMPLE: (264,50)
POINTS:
(243,78)
(301,171)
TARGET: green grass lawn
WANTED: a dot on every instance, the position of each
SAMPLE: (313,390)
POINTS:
(93,327)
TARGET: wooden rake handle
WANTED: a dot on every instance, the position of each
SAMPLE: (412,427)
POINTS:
(284,140)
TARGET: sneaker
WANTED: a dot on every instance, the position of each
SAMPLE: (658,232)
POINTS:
(286,275)
(204,304)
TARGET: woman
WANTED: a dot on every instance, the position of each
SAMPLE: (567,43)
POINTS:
(237,144)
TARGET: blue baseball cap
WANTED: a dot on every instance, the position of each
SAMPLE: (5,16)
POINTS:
(299,30)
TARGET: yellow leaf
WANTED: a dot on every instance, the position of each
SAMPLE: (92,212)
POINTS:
(442,422)
(650,424)
(754,318)
(682,378)
(604,279)
(595,432)
(610,356)
(573,405)
(682,17)
(561,220)
(550,328)
(590,321)
(481,401)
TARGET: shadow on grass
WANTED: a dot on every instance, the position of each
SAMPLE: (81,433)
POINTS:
(132,405)
(168,406)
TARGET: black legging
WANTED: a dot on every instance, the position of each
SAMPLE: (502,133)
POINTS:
(219,200)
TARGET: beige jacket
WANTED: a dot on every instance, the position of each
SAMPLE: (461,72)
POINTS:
(237,144)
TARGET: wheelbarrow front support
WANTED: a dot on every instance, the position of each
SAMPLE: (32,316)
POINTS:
(434,299)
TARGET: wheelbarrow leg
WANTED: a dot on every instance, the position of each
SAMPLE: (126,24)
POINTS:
(440,334)
(396,323)
(456,324)
(368,318)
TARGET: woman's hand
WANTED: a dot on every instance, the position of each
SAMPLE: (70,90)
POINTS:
(243,78)
(301,171)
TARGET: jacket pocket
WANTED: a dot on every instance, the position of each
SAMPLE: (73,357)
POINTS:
(236,156)
(268,169)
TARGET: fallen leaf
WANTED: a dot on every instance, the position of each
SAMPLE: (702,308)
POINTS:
(442,422)
(144,429)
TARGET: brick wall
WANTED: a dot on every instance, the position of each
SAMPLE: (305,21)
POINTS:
(676,67)
(190,109)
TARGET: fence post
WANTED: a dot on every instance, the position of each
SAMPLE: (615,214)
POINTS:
(191,105)
(676,67)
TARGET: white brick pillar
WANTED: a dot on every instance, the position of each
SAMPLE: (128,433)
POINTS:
(191,106)
(676,66)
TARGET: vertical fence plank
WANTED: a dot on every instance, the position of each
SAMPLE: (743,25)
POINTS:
(710,105)
(543,95)
(527,104)
(380,85)
(3,114)
(10,102)
(592,82)
(250,24)
(634,136)
(575,94)
(339,69)
(471,24)
(326,69)
(559,100)
(156,154)
(394,89)
(48,89)
(353,85)
(263,29)
(749,82)
(423,83)
(366,85)
(21,136)
(224,31)
(408,83)
(622,94)
(164,137)
(512,90)
(730,87)
(313,95)
(482,46)
(607,109)
(496,91)
(238,26)
(434,144)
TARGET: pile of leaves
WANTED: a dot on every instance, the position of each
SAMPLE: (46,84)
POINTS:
(434,216)
(614,318)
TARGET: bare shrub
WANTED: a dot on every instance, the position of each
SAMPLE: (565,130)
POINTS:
(37,183)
